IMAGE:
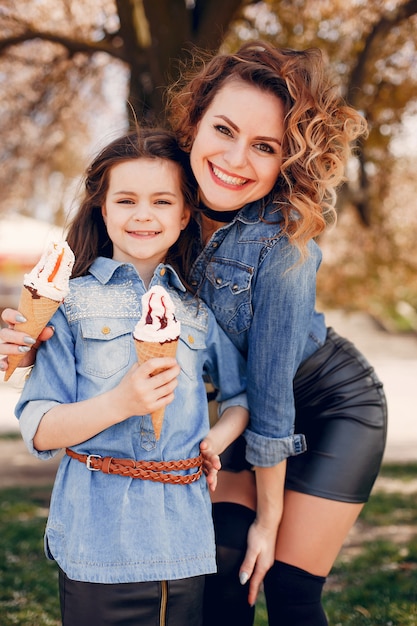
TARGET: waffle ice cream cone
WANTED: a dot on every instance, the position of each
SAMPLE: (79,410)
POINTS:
(156,335)
(38,313)
(44,288)
(149,350)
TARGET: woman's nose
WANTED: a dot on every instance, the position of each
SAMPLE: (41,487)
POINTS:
(236,155)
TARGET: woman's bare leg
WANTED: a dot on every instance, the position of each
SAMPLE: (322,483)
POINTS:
(310,537)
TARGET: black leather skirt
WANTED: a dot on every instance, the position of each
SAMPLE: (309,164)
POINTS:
(342,411)
(159,603)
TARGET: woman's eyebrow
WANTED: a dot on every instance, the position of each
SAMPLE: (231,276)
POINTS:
(236,128)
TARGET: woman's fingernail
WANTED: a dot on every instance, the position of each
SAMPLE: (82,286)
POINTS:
(243,578)
(29,340)
(23,348)
(20,318)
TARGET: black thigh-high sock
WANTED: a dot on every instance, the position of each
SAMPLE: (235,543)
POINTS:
(225,599)
(293,596)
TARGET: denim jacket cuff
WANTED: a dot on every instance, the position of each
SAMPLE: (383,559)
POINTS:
(266,452)
(29,422)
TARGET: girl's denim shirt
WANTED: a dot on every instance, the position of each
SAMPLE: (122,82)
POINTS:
(263,296)
(111,528)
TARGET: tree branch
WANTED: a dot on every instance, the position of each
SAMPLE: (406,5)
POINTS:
(379,31)
(72,45)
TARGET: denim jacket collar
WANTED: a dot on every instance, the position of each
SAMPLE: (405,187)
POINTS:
(104,268)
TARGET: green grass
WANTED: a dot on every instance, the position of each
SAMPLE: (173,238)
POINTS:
(28,582)
(374,586)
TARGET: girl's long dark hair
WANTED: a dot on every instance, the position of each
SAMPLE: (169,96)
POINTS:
(87,235)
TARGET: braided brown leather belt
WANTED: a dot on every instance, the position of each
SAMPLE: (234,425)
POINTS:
(146,470)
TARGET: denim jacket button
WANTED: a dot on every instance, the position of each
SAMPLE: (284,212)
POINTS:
(105,330)
(162,272)
(219,281)
(190,339)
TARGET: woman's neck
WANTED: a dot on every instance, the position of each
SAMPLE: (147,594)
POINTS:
(213,220)
(209,227)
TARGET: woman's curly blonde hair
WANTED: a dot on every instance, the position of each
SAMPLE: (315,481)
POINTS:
(320,127)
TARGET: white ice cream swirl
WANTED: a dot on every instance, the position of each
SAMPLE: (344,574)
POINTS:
(50,276)
(158,322)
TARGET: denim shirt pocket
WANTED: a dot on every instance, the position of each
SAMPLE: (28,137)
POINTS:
(192,340)
(230,283)
(106,345)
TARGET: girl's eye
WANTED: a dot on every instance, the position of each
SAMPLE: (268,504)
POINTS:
(162,202)
(224,130)
(265,147)
(125,201)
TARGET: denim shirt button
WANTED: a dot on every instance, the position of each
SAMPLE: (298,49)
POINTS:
(162,272)
(235,287)
(190,339)
(215,244)
(219,281)
(105,330)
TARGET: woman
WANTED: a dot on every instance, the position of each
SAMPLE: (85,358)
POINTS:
(269,138)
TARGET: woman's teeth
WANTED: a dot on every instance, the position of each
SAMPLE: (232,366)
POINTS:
(230,180)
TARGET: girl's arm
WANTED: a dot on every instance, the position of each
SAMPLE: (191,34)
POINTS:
(228,428)
(138,393)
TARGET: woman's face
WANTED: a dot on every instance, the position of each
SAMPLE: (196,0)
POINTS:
(236,153)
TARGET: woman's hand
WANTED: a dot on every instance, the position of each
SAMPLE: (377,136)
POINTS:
(15,342)
(260,556)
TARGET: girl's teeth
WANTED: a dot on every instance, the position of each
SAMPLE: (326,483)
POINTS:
(230,180)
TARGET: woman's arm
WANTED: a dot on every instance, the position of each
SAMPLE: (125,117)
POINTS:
(138,393)
(262,534)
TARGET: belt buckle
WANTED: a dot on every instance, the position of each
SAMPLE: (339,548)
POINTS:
(88,462)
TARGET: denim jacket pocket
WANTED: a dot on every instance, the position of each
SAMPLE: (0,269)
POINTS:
(106,345)
(230,301)
(192,340)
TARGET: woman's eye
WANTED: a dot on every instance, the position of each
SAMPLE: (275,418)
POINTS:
(265,147)
(224,130)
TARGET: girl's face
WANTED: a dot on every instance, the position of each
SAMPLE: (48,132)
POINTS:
(144,211)
(236,153)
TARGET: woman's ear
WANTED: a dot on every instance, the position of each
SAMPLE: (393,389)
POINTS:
(104,213)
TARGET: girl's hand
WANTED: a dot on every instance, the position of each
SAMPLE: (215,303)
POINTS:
(141,391)
(260,556)
(16,342)
(211,462)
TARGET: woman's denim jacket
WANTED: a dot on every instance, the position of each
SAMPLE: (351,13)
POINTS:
(263,296)
(110,528)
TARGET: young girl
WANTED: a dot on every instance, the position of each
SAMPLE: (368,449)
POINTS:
(131,550)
